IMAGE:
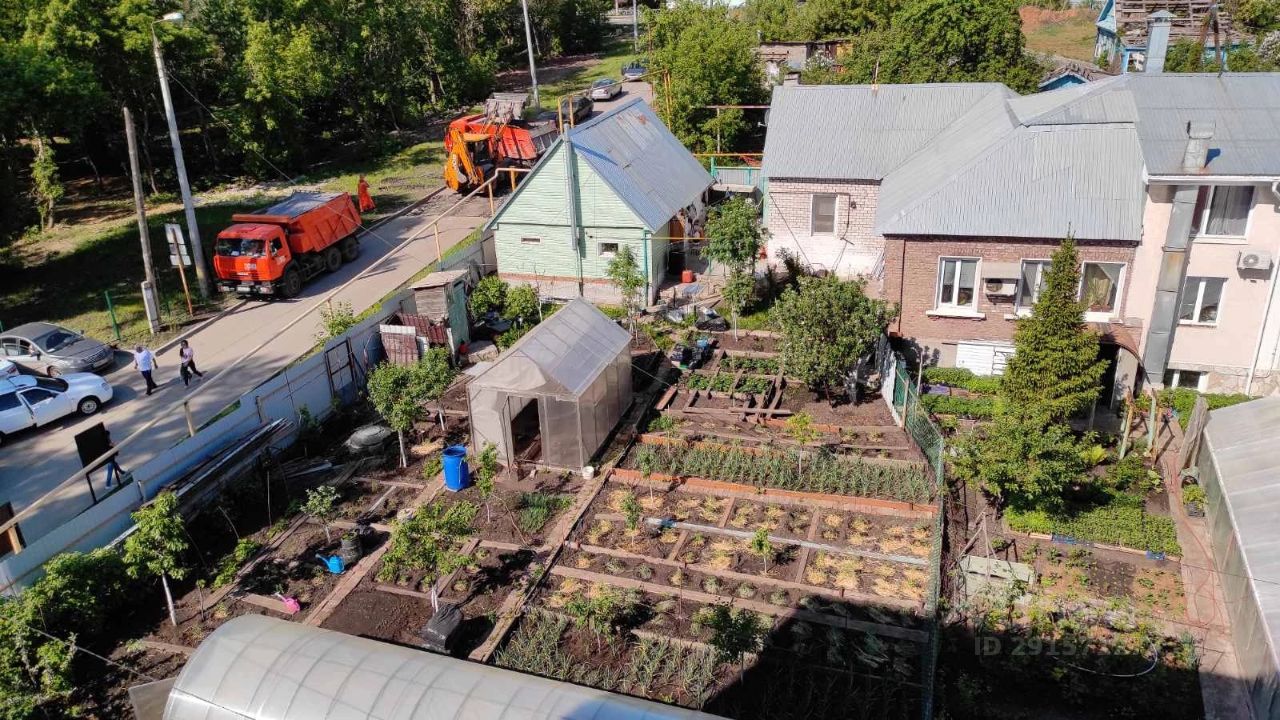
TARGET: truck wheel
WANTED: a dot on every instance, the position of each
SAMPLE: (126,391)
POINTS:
(332,259)
(350,249)
(292,284)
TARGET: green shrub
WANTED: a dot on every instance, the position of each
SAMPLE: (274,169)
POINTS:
(231,563)
(1122,520)
(977,408)
(1193,494)
(1182,400)
(962,378)
(536,508)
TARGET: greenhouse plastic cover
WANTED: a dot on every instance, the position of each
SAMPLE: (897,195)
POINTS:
(269,669)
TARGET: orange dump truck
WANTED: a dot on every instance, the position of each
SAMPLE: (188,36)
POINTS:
(276,249)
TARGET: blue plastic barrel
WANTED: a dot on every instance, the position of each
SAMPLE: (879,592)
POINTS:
(456,476)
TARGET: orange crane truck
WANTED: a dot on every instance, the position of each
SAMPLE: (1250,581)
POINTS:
(275,250)
(477,146)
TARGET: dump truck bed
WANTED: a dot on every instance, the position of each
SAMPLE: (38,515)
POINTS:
(312,221)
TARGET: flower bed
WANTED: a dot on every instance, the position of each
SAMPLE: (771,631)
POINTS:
(1183,400)
(1121,521)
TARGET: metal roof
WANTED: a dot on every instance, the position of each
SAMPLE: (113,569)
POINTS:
(297,204)
(560,356)
(265,668)
(1242,442)
(637,156)
(859,131)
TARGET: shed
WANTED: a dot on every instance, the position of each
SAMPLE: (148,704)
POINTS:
(1239,470)
(265,668)
(442,297)
(555,395)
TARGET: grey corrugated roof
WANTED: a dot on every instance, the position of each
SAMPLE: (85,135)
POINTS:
(560,356)
(857,131)
(1242,443)
(298,203)
(642,161)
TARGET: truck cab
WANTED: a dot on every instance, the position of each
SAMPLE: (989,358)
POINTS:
(251,258)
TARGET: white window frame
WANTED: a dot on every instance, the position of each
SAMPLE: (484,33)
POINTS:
(1200,300)
(1115,312)
(835,213)
(972,307)
(601,251)
(1202,232)
(1202,383)
(530,241)
(1019,308)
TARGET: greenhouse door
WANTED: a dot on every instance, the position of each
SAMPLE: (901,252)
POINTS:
(526,433)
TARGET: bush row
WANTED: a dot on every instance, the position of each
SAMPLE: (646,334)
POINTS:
(962,378)
(1123,520)
(976,407)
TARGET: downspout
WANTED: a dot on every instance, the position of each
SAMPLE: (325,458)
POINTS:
(1174,257)
(571,196)
(644,245)
(1266,312)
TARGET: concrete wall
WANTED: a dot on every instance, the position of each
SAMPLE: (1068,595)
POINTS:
(1226,349)
(853,249)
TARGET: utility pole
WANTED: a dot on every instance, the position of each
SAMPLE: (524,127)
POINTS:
(528,41)
(635,27)
(149,287)
(193,230)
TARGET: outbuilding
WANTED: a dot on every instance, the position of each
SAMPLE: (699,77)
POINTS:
(554,396)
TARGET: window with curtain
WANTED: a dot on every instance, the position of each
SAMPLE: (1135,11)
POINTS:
(1201,297)
(1100,287)
(1224,210)
(957,278)
(823,215)
(1031,281)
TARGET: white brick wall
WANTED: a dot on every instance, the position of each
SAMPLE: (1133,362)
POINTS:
(854,248)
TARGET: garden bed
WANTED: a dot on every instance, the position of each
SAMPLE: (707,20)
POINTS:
(1123,520)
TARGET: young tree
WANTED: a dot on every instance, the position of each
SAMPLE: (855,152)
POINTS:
(432,377)
(430,542)
(626,276)
(734,633)
(398,392)
(800,428)
(1023,459)
(46,187)
(733,234)
(522,306)
(1055,369)
(486,471)
(322,504)
(599,610)
(156,545)
(762,546)
(826,325)
(490,294)
(631,511)
(738,291)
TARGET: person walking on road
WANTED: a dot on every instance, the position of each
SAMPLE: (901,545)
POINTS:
(145,361)
(187,356)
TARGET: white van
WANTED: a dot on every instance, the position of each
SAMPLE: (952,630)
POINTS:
(27,401)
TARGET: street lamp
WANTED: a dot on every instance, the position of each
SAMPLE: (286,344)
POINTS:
(193,230)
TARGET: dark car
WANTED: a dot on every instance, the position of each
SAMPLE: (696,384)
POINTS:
(579,106)
(53,350)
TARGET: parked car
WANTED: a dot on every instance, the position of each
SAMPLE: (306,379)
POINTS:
(579,106)
(633,71)
(27,401)
(7,369)
(605,89)
(47,348)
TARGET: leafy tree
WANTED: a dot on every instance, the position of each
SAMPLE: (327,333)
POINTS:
(1187,56)
(1259,15)
(490,294)
(522,305)
(430,542)
(770,19)
(734,234)
(826,324)
(1023,459)
(398,392)
(762,546)
(824,19)
(1055,368)
(738,291)
(322,504)
(486,471)
(734,633)
(157,544)
(625,273)
(800,428)
(46,187)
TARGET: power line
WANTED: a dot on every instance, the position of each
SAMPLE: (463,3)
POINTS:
(79,648)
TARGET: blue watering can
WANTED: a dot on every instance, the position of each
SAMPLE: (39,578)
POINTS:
(333,563)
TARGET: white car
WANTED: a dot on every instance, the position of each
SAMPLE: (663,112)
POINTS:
(605,89)
(27,401)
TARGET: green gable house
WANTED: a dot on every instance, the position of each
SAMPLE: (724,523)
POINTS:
(618,180)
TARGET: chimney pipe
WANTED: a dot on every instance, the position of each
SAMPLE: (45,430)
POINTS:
(1158,24)
(1196,155)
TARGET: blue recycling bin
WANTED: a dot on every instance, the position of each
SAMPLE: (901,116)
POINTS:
(456,476)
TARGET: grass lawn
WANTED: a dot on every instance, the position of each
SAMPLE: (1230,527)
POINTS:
(62,275)
(555,82)
(1068,33)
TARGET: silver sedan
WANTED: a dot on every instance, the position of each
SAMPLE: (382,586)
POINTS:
(605,89)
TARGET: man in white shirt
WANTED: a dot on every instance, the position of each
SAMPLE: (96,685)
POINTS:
(145,361)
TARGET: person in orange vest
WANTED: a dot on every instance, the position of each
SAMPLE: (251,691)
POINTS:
(362,192)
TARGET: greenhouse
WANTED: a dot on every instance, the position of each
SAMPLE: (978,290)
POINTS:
(1239,470)
(554,396)
(269,669)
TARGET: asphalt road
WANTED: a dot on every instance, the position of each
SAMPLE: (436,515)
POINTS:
(33,463)
(630,90)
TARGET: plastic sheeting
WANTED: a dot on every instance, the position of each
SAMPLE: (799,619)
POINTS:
(269,669)
(1239,469)
(576,366)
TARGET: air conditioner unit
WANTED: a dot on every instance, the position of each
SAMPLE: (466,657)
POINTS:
(1254,260)
(1001,286)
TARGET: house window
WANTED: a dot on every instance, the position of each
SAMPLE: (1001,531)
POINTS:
(1031,282)
(957,278)
(1188,379)
(1100,289)
(1223,210)
(608,249)
(822,215)
(530,240)
(1201,298)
